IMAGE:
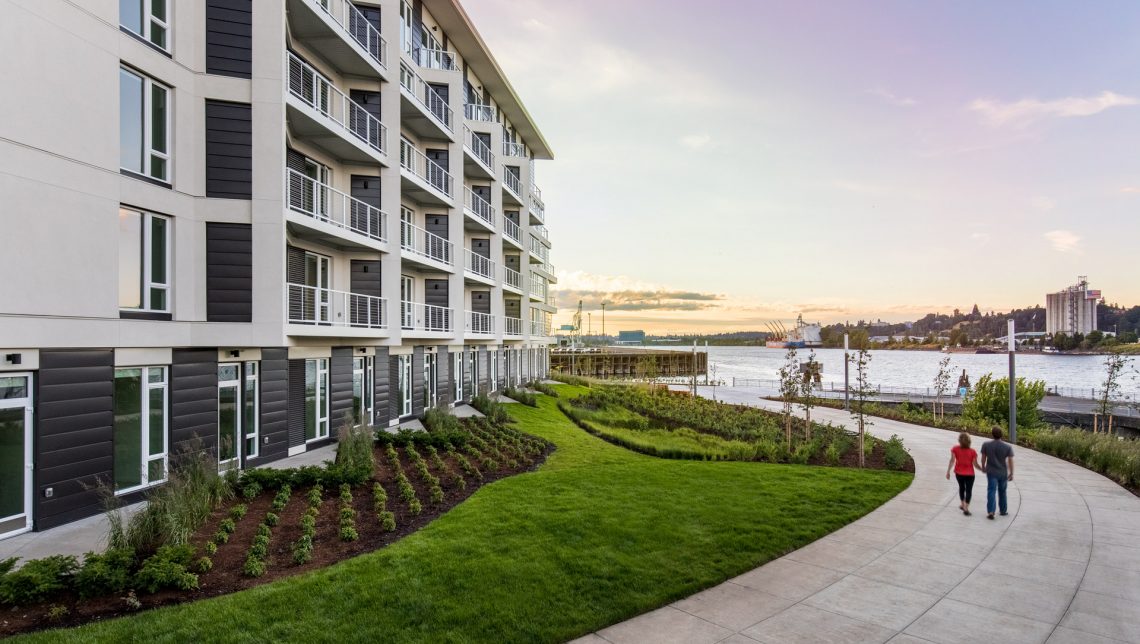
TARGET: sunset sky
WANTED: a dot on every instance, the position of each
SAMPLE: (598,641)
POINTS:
(720,164)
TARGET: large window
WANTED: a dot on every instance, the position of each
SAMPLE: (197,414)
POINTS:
(139,436)
(144,125)
(316,399)
(493,369)
(457,374)
(149,19)
(144,261)
(363,389)
(404,384)
(431,379)
(237,413)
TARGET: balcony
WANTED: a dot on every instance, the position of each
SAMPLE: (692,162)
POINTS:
(425,319)
(513,327)
(479,324)
(478,268)
(537,207)
(512,186)
(539,329)
(539,253)
(423,110)
(423,179)
(478,209)
(434,59)
(542,232)
(427,249)
(514,150)
(478,161)
(512,280)
(321,114)
(481,113)
(334,313)
(342,34)
(512,233)
(537,288)
(320,212)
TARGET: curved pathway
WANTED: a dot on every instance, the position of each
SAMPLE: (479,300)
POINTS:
(1064,566)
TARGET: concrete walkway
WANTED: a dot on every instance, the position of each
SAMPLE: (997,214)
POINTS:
(1063,567)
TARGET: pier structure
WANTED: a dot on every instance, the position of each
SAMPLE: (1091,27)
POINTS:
(628,363)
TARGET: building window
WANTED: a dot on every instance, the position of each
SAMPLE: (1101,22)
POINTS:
(140,420)
(457,374)
(148,19)
(404,384)
(237,413)
(316,399)
(363,389)
(144,125)
(144,261)
(493,369)
(251,404)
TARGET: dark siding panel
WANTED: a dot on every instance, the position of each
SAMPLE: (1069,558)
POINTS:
(417,381)
(274,405)
(340,388)
(229,37)
(436,224)
(481,247)
(365,277)
(366,189)
(229,272)
(383,384)
(480,301)
(443,381)
(74,419)
(194,401)
(435,292)
(394,381)
(229,150)
(296,403)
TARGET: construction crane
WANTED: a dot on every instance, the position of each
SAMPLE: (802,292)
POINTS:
(576,332)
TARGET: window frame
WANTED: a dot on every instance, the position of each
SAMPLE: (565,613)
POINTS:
(321,398)
(150,152)
(146,261)
(144,412)
(148,21)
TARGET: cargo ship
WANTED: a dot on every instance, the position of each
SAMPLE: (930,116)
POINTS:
(801,336)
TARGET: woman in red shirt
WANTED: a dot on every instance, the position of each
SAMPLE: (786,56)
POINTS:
(963,460)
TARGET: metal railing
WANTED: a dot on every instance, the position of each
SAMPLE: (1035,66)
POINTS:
(480,323)
(357,27)
(550,299)
(479,265)
(539,249)
(478,148)
(542,231)
(326,307)
(415,316)
(512,182)
(512,278)
(427,97)
(538,286)
(475,112)
(539,329)
(418,164)
(512,230)
(316,91)
(478,206)
(435,59)
(511,149)
(538,208)
(512,326)
(420,242)
(325,203)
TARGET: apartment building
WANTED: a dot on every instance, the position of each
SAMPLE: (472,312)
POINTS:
(231,225)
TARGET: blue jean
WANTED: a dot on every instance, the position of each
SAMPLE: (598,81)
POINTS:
(996,483)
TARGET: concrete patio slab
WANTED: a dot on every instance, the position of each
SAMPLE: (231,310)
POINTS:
(731,606)
(666,626)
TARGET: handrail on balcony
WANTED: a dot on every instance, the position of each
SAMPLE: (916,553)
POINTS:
(479,265)
(478,147)
(434,59)
(512,230)
(511,149)
(326,307)
(476,112)
(536,192)
(512,278)
(316,91)
(427,97)
(539,249)
(512,326)
(421,242)
(420,165)
(537,286)
(478,205)
(480,323)
(353,22)
(541,230)
(415,316)
(512,181)
(325,203)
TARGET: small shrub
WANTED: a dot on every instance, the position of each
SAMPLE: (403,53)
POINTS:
(259,547)
(438,421)
(303,549)
(251,490)
(264,530)
(105,573)
(167,568)
(436,494)
(348,533)
(221,536)
(308,523)
(37,580)
(414,507)
(204,564)
(228,526)
(253,567)
(834,453)
(132,600)
(56,612)
(355,462)
(895,455)
(211,548)
(238,511)
(387,521)
(271,519)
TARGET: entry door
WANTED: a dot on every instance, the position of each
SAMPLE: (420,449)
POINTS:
(317,277)
(405,385)
(363,389)
(430,380)
(230,412)
(407,309)
(457,374)
(15,453)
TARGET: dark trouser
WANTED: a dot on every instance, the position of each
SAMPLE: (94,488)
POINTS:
(965,487)
(996,483)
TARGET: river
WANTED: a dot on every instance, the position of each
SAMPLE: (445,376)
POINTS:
(1073,375)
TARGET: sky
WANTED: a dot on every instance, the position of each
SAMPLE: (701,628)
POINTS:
(725,163)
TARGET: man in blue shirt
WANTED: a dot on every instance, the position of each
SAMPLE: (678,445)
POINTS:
(997,461)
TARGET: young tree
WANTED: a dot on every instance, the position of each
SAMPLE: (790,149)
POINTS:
(863,390)
(789,389)
(1114,366)
(807,392)
(712,378)
(942,386)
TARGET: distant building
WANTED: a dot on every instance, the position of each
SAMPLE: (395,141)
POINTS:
(1072,310)
(631,337)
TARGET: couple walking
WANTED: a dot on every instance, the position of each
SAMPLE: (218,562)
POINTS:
(997,462)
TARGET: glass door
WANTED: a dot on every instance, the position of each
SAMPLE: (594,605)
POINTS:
(363,389)
(317,278)
(230,413)
(15,454)
(430,380)
(405,384)
(407,309)
(457,374)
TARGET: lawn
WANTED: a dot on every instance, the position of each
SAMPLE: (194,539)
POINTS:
(596,535)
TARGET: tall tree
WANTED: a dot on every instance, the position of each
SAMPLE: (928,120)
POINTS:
(789,390)
(863,391)
(807,391)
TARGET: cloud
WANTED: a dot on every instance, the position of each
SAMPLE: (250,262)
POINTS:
(893,99)
(1027,110)
(1064,241)
(1044,204)
(1131,189)
(695,141)
(640,300)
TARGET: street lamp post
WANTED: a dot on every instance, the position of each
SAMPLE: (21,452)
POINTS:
(1012,385)
(846,370)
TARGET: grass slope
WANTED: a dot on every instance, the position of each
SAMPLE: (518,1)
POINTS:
(597,535)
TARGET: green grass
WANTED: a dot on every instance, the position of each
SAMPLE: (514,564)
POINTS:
(597,535)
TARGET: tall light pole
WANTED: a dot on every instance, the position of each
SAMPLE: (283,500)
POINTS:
(604,342)
(846,363)
(1012,385)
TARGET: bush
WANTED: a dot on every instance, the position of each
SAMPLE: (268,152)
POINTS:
(894,454)
(211,548)
(303,549)
(521,396)
(167,568)
(988,401)
(437,420)
(238,511)
(271,519)
(544,388)
(440,439)
(204,564)
(492,410)
(37,580)
(253,567)
(355,462)
(568,379)
(228,526)
(106,573)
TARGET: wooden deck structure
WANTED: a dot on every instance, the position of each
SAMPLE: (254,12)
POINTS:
(628,363)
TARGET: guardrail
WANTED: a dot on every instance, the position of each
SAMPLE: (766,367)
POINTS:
(512,182)
(356,26)
(538,286)
(329,205)
(474,112)
(434,59)
(313,89)
(415,316)
(480,323)
(478,148)
(427,97)
(420,242)
(479,265)
(479,206)
(511,149)
(539,329)
(539,249)
(429,171)
(512,326)
(326,307)
(512,230)
(512,278)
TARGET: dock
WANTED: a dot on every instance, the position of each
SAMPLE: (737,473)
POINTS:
(628,363)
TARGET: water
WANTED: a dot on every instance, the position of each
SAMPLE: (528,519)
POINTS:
(1074,375)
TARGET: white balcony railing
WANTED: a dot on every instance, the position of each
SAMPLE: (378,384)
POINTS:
(326,307)
(539,328)
(479,265)
(313,89)
(474,112)
(512,326)
(435,59)
(514,149)
(538,286)
(416,240)
(535,192)
(512,230)
(539,249)
(357,27)
(427,97)
(480,323)
(512,278)
(512,182)
(418,164)
(479,206)
(538,209)
(542,231)
(415,316)
(331,206)
(478,148)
